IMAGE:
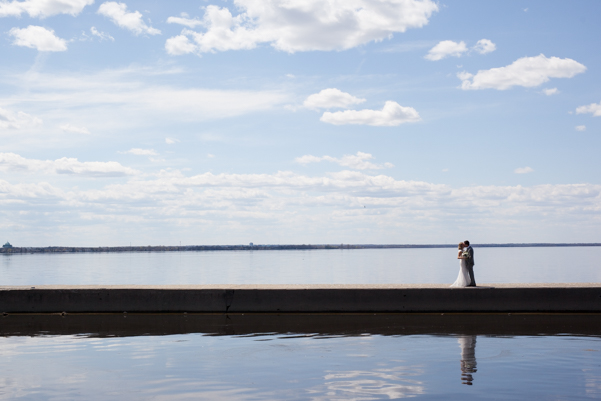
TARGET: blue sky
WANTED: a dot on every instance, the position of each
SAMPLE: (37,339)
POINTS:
(395,121)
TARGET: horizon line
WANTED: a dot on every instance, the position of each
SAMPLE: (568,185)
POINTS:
(251,246)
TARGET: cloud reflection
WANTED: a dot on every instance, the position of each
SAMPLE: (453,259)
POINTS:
(393,383)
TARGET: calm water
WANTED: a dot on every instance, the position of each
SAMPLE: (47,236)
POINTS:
(357,357)
(361,266)
(304,357)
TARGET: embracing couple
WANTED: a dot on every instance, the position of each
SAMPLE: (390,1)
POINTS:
(466,266)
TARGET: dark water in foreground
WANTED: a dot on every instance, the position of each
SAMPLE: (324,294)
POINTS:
(305,357)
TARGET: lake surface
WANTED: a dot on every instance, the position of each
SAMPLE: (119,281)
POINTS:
(312,357)
(347,266)
(301,357)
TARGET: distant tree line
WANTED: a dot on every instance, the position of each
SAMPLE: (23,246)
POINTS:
(161,248)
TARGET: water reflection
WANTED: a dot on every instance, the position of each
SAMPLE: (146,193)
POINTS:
(393,383)
(468,358)
(317,357)
(592,384)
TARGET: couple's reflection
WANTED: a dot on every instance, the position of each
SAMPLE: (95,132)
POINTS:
(468,358)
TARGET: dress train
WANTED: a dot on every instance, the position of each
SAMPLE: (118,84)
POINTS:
(463,279)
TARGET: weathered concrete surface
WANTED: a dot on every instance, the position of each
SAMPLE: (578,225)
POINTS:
(302,298)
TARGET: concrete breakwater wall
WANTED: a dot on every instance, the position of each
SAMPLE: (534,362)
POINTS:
(302,299)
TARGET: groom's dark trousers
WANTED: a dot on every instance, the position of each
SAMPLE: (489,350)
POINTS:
(470,270)
(470,265)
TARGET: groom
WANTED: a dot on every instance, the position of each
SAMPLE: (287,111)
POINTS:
(470,263)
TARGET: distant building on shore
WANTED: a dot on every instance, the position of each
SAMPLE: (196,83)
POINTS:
(7,245)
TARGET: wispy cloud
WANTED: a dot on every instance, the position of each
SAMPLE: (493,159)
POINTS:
(15,163)
(141,152)
(123,99)
(74,129)
(236,204)
(190,23)
(331,98)
(593,108)
(446,48)
(550,91)
(484,46)
(391,115)
(42,8)
(360,161)
(523,170)
(101,35)
(527,72)
(449,48)
(132,21)
(17,120)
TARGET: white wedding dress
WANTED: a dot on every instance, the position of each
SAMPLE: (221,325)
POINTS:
(463,279)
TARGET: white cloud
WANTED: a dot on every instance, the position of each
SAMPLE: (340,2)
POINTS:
(550,91)
(74,129)
(230,207)
(304,25)
(171,141)
(260,196)
(484,46)
(12,162)
(42,8)
(360,161)
(446,48)
(527,72)
(392,114)
(219,36)
(331,97)
(117,12)
(101,35)
(580,128)
(179,45)
(142,152)
(190,23)
(126,98)
(593,108)
(18,120)
(523,170)
(39,38)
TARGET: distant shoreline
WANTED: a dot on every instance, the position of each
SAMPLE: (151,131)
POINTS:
(161,248)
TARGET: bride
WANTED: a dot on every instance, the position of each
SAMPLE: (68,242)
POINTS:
(463,279)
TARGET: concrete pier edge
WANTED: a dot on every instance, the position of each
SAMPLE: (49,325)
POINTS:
(536,298)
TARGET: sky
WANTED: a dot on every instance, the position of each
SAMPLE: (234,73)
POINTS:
(299,122)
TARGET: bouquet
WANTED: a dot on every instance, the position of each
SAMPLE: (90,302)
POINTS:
(465,254)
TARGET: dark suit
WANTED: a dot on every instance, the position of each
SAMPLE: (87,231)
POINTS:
(470,264)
